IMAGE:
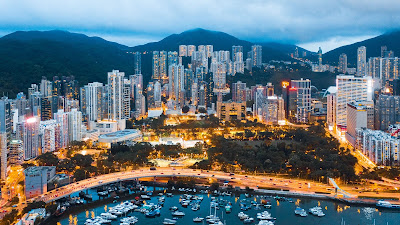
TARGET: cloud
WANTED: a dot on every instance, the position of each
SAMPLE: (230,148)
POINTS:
(293,21)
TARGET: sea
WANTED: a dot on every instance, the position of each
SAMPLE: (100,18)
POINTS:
(336,213)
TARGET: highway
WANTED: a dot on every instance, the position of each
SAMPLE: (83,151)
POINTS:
(251,181)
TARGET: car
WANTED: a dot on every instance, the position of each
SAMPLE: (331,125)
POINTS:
(162,173)
(245,176)
(15,206)
(231,174)
(213,175)
(198,174)
(100,181)
(232,178)
(153,168)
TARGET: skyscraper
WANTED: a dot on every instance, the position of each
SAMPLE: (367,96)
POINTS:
(190,50)
(118,92)
(5,117)
(256,55)
(342,63)
(3,156)
(361,61)
(62,140)
(387,110)
(209,50)
(163,65)
(75,125)
(137,62)
(30,132)
(302,90)
(183,50)
(350,89)
(92,101)
(48,131)
(239,92)
(320,58)
(176,83)
(156,66)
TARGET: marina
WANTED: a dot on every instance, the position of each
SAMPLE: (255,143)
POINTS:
(183,207)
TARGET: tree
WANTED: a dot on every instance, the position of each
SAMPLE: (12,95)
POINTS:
(185,109)
(79,174)
(82,160)
(202,110)
(14,200)
(47,159)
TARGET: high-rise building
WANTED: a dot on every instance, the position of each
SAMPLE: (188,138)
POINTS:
(209,50)
(389,69)
(157,94)
(75,125)
(190,50)
(136,84)
(270,89)
(16,154)
(36,179)
(137,63)
(62,140)
(260,99)
(3,156)
(163,65)
(219,76)
(91,100)
(183,50)
(387,108)
(46,87)
(342,63)
(320,58)
(227,111)
(140,106)
(302,91)
(350,89)
(256,55)
(383,50)
(118,96)
(156,66)
(359,115)
(48,131)
(361,61)
(273,110)
(5,117)
(380,147)
(176,84)
(30,132)
(239,92)
(374,67)
(331,110)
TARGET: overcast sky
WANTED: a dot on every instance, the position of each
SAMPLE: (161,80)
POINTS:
(308,23)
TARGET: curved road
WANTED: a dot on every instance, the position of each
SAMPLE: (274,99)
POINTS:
(241,180)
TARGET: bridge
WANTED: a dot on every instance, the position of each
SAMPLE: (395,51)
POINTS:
(252,181)
(341,191)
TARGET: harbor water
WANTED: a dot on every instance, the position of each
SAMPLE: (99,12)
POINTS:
(282,209)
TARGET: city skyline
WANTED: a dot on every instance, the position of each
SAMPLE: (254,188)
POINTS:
(310,24)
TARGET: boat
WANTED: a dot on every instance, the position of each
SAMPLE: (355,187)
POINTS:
(152,214)
(265,216)
(242,216)
(248,220)
(300,212)
(316,211)
(173,208)
(195,207)
(60,210)
(228,208)
(265,222)
(386,204)
(169,221)
(198,219)
(178,213)
(108,216)
(145,197)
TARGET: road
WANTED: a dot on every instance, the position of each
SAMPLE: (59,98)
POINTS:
(251,181)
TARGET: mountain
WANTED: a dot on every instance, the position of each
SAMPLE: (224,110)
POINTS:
(27,56)
(391,40)
(219,40)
